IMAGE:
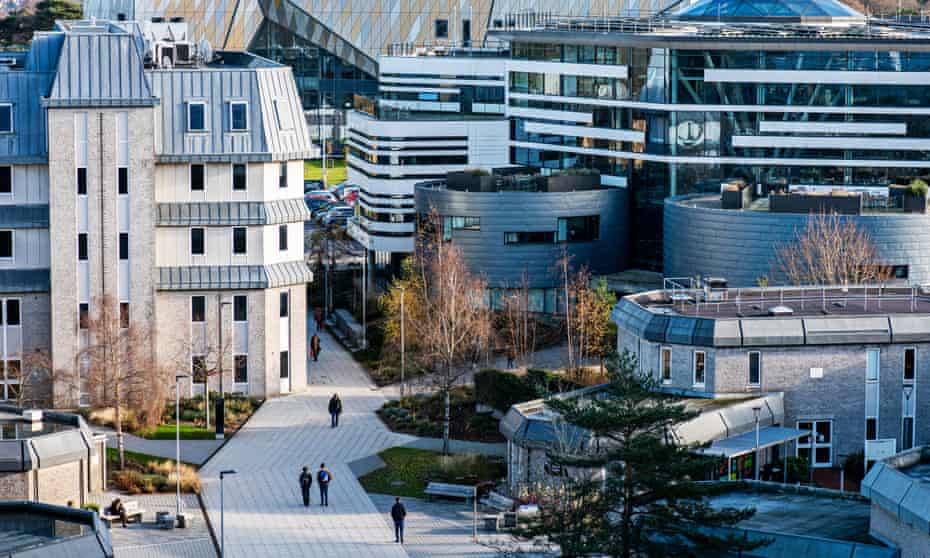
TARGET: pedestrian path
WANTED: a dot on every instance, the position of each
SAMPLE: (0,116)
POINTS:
(192,451)
(264,515)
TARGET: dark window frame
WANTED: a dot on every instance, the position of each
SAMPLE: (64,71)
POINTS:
(198,246)
(122,179)
(6,179)
(240,308)
(240,241)
(123,246)
(198,309)
(240,182)
(198,177)
(83,252)
(282,238)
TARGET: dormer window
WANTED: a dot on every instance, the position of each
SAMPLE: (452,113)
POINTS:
(283,112)
(238,117)
(197,117)
(6,118)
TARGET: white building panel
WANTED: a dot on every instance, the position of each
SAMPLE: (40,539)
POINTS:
(826,77)
(567,68)
(585,132)
(809,127)
(833,142)
(124,282)
(543,114)
(441,66)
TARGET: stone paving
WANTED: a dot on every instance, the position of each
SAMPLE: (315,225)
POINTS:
(145,541)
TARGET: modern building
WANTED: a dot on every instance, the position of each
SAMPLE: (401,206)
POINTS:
(171,191)
(899,490)
(29,529)
(705,237)
(513,227)
(849,361)
(794,93)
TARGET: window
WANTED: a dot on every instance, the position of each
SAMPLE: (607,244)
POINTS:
(198,309)
(283,305)
(755,368)
(124,246)
(579,229)
(240,308)
(11,378)
(82,181)
(6,118)
(665,364)
(871,365)
(6,179)
(282,175)
(907,433)
(239,177)
(6,245)
(12,312)
(197,243)
(241,369)
(285,364)
(83,315)
(199,368)
(871,428)
(872,375)
(196,117)
(82,247)
(442,28)
(122,175)
(238,116)
(529,237)
(910,364)
(698,366)
(820,442)
(464,223)
(239,242)
(282,237)
(283,112)
(197,178)
(466,32)
(124,315)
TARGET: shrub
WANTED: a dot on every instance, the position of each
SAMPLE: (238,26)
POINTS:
(917,188)
(467,466)
(190,480)
(499,390)
(191,415)
(129,481)
(482,423)
(428,429)
(854,465)
(799,470)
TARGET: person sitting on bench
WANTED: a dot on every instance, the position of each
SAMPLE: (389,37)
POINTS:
(117,508)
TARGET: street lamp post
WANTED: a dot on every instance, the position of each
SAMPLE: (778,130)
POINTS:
(403,360)
(755,411)
(219,417)
(365,299)
(177,438)
(222,513)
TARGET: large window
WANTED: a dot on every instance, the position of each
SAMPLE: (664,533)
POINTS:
(283,112)
(238,116)
(6,179)
(910,364)
(6,118)
(197,178)
(197,241)
(82,247)
(816,448)
(282,237)
(199,369)
(11,379)
(196,117)
(442,28)
(529,237)
(240,308)
(872,377)
(239,177)
(463,223)
(579,229)
(755,368)
(198,308)
(241,369)
(665,364)
(239,240)
(909,399)
(6,245)
(12,312)
(698,367)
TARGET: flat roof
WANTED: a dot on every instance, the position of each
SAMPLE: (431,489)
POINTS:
(742,444)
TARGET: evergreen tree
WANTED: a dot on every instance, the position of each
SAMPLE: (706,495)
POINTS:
(649,504)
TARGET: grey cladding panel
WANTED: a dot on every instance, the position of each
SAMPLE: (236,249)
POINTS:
(727,333)
(100,70)
(768,331)
(910,329)
(62,447)
(835,330)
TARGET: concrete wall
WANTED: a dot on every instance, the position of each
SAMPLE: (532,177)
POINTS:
(911,542)
(501,212)
(741,245)
(61,484)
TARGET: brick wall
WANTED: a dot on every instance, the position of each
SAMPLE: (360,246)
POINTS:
(15,486)
(60,484)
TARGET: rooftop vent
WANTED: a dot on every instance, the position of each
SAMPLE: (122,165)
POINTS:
(780,310)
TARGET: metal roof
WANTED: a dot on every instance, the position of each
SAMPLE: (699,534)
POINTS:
(762,10)
(192,278)
(233,213)
(744,443)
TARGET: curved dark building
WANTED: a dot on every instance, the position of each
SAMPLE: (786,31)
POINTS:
(509,225)
(702,238)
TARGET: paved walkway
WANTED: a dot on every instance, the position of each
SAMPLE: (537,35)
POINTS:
(192,451)
(264,515)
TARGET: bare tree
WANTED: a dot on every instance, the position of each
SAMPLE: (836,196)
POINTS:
(38,378)
(830,250)
(519,325)
(121,368)
(454,322)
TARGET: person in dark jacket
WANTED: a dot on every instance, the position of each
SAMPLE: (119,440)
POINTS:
(118,509)
(398,513)
(323,478)
(335,409)
(315,347)
(306,481)
(318,317)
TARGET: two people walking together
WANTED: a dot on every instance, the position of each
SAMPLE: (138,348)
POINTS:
(323,477)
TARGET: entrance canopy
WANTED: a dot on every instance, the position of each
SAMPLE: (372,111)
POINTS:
(741,444)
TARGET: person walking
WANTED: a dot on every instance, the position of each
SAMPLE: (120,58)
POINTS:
(398,513)
(510,359)
(318,317)
(306,481)
(323,478)
(335,409)
(315,347)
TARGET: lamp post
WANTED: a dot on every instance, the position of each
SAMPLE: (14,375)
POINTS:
(755,411)
(403,360)
(177,438)
(222,514)
(365,299)
(219,417)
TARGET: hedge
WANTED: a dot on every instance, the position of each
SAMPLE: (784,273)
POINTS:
(500,390)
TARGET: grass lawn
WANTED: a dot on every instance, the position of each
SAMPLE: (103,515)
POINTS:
(140,459)
(335,170)
(407,471)
(188,432)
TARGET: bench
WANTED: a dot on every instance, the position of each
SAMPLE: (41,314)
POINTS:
(449,490)
(133,513)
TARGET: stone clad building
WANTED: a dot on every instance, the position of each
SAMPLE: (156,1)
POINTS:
(171,190)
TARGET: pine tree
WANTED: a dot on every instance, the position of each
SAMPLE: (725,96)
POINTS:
(649,504)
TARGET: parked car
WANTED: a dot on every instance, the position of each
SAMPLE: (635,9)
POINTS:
(337,215)
(310,185)
(314,204)
(325,195)
(323,209)
(349,194)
